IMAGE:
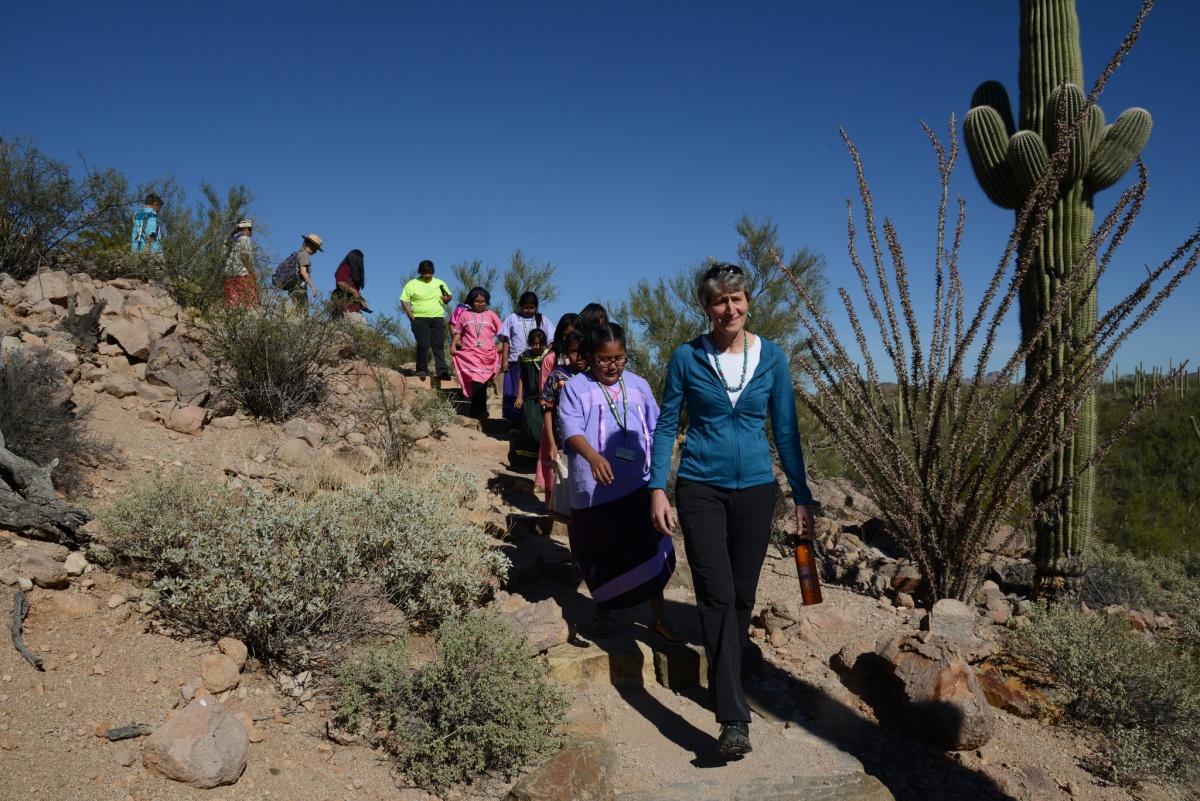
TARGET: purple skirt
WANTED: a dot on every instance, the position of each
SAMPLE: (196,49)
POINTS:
(624,559)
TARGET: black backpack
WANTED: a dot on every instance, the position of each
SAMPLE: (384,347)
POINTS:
(287,274)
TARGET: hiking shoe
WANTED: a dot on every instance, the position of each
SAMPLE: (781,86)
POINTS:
(444,376)
(734,740)
(422,376)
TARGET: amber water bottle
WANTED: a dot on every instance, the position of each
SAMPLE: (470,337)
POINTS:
(806,570)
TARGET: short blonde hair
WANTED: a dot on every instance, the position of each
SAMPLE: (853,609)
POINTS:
(718,279)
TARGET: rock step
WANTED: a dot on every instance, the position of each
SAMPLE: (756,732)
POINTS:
(849,787)
(629,664)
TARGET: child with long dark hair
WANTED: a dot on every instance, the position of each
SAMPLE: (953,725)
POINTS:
(544,477)
(529,433)
(608,418)
(513,339)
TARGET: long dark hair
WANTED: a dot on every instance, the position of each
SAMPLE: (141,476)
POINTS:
(593,314)
(355,259)
(600,335)
(568,320)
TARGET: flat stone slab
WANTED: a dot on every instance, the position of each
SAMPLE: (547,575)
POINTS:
(851,787)
(626,663)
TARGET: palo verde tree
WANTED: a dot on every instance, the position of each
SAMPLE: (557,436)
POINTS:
(1010,158)
(525,275)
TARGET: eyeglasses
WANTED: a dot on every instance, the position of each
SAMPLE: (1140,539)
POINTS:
(720,268)
(611,361)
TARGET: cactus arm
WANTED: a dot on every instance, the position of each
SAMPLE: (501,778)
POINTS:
(993,93)
(987,145)
(1123,142)
(1064,105)
(1027,159)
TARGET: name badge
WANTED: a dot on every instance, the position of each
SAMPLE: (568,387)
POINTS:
(625,454)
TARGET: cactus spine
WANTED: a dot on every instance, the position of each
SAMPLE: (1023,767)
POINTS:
(1008,161)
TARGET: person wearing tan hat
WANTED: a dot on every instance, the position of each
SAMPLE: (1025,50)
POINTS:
(312,243)
(241,282)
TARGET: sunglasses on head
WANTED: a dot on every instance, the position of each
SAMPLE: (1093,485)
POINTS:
(720,268)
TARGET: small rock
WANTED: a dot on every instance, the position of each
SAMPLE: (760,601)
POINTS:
(115,600)
(219,673)
(952,619)
(253,733)
(9,577)
(75,563)
(126,758)
(25,584)
(234,649)
(295,451)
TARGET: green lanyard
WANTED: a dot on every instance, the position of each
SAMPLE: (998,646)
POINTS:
(613,407)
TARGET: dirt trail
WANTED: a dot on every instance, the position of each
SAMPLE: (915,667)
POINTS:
(108,666)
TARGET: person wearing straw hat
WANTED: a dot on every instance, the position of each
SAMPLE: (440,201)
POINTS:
(241,282)
(299,293)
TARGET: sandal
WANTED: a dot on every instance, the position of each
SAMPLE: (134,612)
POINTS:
(602,624)
(663,628)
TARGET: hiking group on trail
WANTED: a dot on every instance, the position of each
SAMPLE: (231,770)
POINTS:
(600,444)
(603,450)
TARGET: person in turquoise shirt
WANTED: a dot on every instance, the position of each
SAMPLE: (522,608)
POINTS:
(146,236)
(424,301)
(732,382)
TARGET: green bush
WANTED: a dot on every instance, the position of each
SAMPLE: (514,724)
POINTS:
(1158,583)
(432,407)
(270,359)
(37,423)
(1142,695)
(480,705)
(273,571)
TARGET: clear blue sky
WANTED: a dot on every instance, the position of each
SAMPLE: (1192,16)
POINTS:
(615,139)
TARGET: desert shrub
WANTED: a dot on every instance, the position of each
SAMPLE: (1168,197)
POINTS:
(433,408)
(1159,583)
(271,570)
(271,359)
(386,342)
(44,209)
(1142,695)
(480,705)
(37,422)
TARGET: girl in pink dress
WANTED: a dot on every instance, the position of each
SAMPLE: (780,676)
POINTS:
(476,354)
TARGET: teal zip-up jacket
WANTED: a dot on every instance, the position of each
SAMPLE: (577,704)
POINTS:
(727,445)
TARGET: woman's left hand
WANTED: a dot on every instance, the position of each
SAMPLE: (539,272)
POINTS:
(806,527)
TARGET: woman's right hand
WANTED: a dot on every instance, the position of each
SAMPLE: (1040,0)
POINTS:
(601,469)
(660,512)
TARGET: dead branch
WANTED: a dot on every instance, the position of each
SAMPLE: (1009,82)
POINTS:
(20,610)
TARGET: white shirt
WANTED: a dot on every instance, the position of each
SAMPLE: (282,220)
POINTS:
(731,366)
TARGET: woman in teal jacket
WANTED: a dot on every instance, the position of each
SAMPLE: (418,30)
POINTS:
(731,381)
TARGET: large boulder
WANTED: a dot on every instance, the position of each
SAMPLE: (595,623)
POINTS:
(134,336)
(42,570)
(178,361)
(942,696)
(52,285)
(203,746)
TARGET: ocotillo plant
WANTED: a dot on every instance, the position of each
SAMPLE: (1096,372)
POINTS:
(1059,157)
(958,456)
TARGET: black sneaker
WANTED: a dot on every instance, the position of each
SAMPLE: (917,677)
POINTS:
(443,377)
(422,376)
(734,740)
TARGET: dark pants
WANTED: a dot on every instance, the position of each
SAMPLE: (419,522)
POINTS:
(430,331)
(479,401)
(725,535)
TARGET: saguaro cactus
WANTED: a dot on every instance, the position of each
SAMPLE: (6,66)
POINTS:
(1008,162)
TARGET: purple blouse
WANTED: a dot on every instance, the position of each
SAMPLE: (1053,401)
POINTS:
(584,410)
